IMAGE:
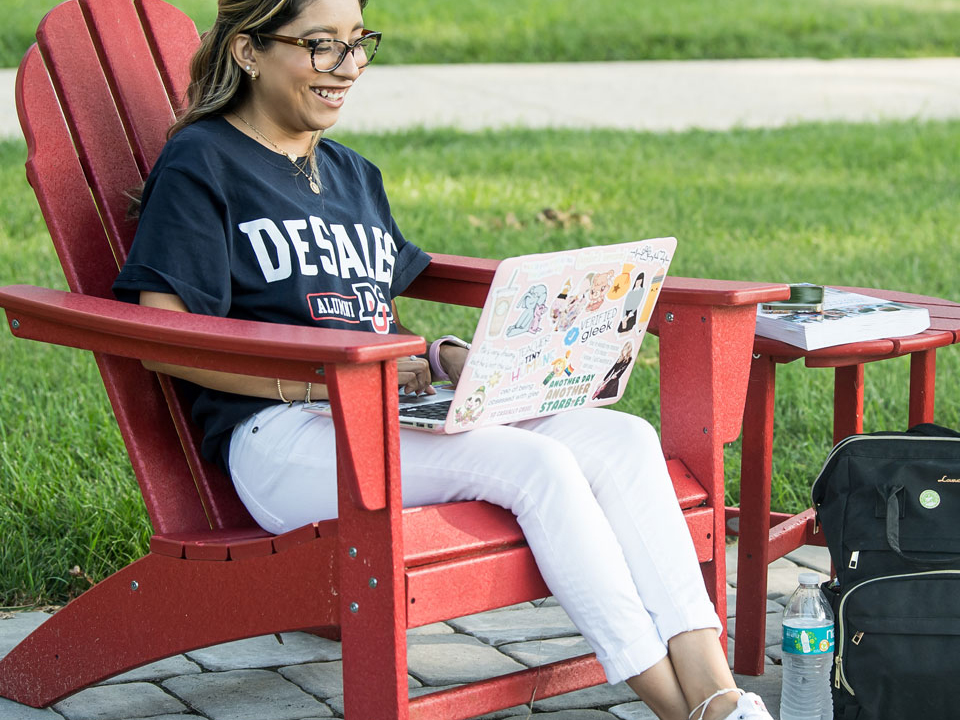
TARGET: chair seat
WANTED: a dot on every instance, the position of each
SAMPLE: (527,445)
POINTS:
(431,534)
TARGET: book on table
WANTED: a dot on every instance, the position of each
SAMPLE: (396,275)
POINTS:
(846,317)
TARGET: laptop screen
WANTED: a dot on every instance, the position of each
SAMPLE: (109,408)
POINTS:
(559,331)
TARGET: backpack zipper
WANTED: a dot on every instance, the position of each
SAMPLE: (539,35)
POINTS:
(839,676)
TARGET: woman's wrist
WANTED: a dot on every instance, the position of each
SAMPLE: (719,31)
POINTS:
(433,354)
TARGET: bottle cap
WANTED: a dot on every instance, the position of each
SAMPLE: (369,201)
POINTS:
(808,578)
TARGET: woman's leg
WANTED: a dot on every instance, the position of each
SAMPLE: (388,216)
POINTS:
(701,667)
(283,462)
(638,500)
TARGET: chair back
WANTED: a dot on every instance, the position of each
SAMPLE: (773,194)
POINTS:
(96,95)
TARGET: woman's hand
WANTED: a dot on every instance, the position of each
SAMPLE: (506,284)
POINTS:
(452,359)
(413,375)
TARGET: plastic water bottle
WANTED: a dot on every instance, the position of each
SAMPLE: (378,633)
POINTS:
(807,653)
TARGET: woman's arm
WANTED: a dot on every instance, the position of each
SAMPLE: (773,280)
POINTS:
(413,373)
(237,384)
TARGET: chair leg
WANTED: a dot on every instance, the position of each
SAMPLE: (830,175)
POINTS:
(753,550)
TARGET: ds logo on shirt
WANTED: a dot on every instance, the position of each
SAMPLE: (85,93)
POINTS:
(367,305)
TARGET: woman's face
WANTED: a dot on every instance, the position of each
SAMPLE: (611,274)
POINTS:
(288,93)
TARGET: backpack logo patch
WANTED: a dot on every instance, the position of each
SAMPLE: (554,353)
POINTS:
(930,499)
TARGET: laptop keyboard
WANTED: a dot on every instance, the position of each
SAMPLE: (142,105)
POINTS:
(433,411)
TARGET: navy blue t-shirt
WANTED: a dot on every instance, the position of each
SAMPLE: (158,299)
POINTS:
(234,230)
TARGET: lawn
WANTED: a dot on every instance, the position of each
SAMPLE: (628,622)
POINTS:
(431,31)
(858,205)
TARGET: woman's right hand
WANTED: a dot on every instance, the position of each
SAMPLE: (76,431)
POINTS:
(413,376)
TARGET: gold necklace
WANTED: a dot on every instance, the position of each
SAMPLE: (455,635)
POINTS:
(311,178)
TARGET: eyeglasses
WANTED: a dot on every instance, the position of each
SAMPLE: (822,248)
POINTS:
(326,54)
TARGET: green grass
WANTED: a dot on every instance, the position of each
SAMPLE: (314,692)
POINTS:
(432,31)
(858,205)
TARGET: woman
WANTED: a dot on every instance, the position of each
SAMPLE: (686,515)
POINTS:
(248,213)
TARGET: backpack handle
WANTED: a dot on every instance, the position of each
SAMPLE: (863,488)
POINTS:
(893,531)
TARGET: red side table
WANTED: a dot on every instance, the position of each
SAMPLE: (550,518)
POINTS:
(766,536)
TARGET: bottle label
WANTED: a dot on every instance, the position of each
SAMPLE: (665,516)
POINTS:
(807,641)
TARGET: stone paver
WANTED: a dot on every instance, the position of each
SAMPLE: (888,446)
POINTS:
(766,686)
(593,697)
(160,670)
(15,629)
(265,651)
(812,556)
(432,629)
(451,659)
(773,632)
(772,605)
(119,702)
(246,695)
(325,680)
(567,715)
(10,710)
(633,711)
(511,626)
(521,710)
(543,652)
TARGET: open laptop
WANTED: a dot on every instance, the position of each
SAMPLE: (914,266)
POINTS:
(558,331)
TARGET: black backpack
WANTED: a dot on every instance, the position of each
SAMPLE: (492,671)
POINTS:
(889,506)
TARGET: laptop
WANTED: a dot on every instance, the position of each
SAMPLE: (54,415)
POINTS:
(558,331)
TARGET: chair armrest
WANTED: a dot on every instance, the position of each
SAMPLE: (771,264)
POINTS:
(698,291)
(454,279)
(227,344)
(463,280)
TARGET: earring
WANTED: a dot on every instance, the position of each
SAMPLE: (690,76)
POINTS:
(253,75)
(247,68)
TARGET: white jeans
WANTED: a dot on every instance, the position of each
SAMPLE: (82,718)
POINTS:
(589,488)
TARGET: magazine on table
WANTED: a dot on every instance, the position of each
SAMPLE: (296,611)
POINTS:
(843,317)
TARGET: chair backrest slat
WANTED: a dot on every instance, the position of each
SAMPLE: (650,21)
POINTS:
(139,93)
(74,64)
(61,187)
(173,39)
(95,102)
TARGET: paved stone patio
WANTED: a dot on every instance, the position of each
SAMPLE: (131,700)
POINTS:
(260,679)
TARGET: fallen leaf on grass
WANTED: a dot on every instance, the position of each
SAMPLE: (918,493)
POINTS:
(75,571)
(564,218)
(551,217)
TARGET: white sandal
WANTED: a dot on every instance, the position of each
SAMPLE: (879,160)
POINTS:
(749,706)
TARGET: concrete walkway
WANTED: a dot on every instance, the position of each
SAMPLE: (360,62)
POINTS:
(657,96)
(259,679)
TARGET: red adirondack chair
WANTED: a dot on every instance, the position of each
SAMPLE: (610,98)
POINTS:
(95,97)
